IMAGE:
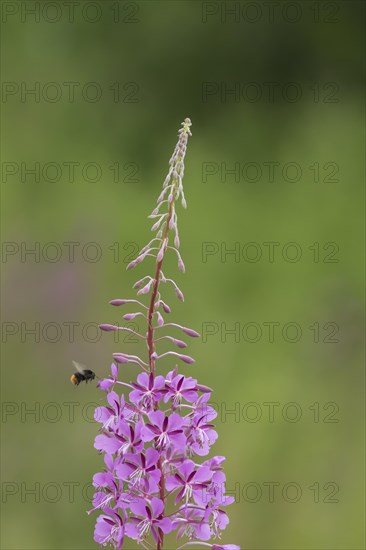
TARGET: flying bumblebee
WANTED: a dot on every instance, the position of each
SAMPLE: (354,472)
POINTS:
(82,374)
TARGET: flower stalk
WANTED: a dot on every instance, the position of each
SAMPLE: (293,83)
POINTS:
(151,484)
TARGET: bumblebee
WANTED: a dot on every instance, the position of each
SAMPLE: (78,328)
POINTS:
(82,375)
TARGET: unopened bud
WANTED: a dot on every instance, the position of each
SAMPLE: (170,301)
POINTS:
(186,359)
(120,358)
(118,302)
(166,308)
(179,294)
(108,328)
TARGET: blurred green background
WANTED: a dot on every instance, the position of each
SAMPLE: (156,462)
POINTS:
(172,60)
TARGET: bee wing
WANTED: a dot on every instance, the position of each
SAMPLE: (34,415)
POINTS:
(79,367)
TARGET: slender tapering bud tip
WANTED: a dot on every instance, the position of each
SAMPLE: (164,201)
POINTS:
(120,358)
(166,308)
(138,284)
(157,224)
(161,196)
(181,265)
(160,319)
(190,332)
(179,294)
(108,328)
(130,316)
(139,259)
(186,330)
(146,289)
(160,255)
(186,359)
(154,212)
(179,343)
(204,389)
(118,302)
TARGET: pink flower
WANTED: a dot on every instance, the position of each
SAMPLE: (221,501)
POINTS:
(147,516)
(191,480)
(178,387)
(147,390)
(149,433)
(141,471)
(164,430)
(110,529)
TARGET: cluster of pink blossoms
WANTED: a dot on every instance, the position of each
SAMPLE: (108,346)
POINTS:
(150,434)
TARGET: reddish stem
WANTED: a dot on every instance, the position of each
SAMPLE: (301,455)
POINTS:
(150,329)
(151,348)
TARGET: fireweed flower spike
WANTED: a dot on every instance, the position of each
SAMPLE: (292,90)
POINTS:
(154,431)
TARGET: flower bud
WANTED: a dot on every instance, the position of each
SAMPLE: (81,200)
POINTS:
(130,316)
(108,328)
(186,359)
(139,283)
(166,308)
(155,211)
(179,343)
(118,302)
(138,260)
(161,197)
(190,332)
(145,289)
(204,389)
(179,294)
(160,255)
(156,224)
(120,358)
